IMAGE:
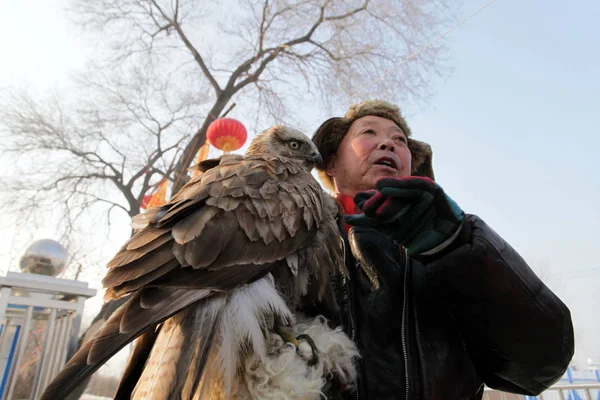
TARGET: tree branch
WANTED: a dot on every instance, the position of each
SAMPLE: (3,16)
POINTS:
(175,24)
(349,13)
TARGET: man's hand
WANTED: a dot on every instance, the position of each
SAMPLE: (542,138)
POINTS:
(413,212)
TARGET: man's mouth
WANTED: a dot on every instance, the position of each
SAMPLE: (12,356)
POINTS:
(387,162)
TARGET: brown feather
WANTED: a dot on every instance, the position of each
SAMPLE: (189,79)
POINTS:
(287,202)
(308,217)
(193,226)
(316,202)
(110,339)
(126,256)
(269,190)
(131,285)
(272,208)
(203,250)
(264,229)
(246,221)
(136,364)
(292,168)
(278,229)
(224,203)
(315,209)
(180,211)
(292,221)
(235,182)
(143,237)
(238,193)
(260,207)
(162,305)
(195,189)
(143,265)
(151,296)
(258,177)
(253,193)
(298,199)
(218,280)
(183,345)
(205,165)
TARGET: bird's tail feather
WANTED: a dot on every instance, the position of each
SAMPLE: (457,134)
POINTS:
(136,363)
(177,362)
(111,337)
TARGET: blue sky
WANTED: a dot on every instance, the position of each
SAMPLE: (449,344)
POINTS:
(514,128)
(516,138)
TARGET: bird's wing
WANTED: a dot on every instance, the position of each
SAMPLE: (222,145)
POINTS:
(136,363)
(243,212)
(111,337)
(177,362)
(220,231)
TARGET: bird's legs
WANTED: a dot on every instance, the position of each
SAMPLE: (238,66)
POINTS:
(288,336)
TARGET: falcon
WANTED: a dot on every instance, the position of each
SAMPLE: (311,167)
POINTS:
(216,278)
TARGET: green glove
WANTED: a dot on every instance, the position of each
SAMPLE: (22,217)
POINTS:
(413,212)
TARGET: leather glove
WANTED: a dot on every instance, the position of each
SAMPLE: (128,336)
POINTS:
(413,212)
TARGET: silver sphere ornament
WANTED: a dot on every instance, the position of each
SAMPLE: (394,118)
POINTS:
(44,257)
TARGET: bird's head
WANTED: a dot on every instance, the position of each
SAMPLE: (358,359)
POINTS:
(281,140)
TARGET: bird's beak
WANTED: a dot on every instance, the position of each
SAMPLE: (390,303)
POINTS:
(315,158)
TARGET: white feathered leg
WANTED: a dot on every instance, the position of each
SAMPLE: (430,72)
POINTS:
(286,375)
(273,369)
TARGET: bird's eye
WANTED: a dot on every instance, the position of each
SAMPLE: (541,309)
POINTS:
(294,145)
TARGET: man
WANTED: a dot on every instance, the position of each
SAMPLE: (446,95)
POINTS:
(438,303)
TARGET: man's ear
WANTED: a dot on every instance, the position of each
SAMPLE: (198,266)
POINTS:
(331,167)
(422,158)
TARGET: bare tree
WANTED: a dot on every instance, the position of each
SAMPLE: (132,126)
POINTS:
(103,148)
(262,50)
(177,65)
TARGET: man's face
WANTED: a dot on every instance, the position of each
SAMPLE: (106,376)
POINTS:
(373,148)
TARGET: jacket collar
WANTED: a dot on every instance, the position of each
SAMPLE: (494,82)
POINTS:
(348,206)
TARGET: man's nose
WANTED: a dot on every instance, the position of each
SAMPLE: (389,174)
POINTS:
(387,144)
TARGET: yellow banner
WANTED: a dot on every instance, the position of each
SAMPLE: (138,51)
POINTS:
(160,197)
(202,155)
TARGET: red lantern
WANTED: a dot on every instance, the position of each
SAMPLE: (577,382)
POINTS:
(226,134)
(145,201)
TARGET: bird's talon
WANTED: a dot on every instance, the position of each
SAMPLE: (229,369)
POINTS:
(287,335)
(315,351)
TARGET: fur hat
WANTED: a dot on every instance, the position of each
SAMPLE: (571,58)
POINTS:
(329,135)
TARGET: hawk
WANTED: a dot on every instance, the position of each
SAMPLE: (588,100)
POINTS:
(216,278)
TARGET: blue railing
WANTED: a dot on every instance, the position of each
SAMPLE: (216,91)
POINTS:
(574,385)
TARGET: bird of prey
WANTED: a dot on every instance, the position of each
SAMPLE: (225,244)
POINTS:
(212,273)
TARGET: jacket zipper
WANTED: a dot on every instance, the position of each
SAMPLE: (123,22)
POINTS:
(404,322)
(347,297)
(352,333)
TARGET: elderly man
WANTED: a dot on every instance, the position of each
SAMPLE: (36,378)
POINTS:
(438,303)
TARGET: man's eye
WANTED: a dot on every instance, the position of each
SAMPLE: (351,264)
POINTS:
(369,132)
(400,139)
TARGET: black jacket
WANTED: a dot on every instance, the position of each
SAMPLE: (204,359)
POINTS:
(439,327)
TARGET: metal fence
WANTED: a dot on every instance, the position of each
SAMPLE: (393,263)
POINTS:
(39,318)
(576,384)
(571,391)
